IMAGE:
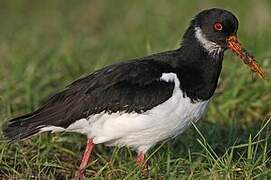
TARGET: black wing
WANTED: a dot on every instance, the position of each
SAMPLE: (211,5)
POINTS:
(133,86)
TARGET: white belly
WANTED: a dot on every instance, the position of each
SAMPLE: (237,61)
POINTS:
(141,131)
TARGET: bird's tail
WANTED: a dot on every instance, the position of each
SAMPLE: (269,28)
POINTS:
(59,111)
(21,128)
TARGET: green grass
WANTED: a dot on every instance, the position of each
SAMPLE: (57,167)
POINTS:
(44,45)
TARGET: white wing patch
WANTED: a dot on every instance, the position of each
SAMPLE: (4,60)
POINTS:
(53,129)
(169,77)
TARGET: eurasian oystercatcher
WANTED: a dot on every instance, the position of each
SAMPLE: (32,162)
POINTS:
(143,101)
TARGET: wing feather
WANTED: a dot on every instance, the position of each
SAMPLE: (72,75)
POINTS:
(133,86)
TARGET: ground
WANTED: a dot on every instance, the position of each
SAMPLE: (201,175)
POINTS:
(44,45)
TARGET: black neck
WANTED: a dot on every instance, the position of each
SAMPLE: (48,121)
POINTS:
(197,70)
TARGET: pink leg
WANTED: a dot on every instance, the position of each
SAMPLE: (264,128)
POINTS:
(143,164)
(80,173)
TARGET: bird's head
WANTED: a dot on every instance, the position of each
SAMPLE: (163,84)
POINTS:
(216,31)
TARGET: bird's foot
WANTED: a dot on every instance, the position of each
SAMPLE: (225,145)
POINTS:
(143,165)
(80,174)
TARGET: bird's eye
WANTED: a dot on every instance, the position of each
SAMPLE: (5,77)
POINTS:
(218,26)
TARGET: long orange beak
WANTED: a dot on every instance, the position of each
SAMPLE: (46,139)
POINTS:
(235,46)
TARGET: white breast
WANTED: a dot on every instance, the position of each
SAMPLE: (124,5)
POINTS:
(141,131)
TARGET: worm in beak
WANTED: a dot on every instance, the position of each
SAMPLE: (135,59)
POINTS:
(235,46)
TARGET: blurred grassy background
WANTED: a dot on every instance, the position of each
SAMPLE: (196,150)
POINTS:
(44,45)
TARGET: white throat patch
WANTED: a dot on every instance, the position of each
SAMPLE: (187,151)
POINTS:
(212,48)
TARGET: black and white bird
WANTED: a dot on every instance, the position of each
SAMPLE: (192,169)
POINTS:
(143,101)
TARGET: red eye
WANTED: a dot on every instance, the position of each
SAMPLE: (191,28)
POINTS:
(218,26)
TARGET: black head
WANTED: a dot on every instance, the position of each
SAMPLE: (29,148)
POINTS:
(211,28)
(215,30)
(216,25)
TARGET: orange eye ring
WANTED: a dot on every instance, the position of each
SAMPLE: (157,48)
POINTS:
(218,26)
